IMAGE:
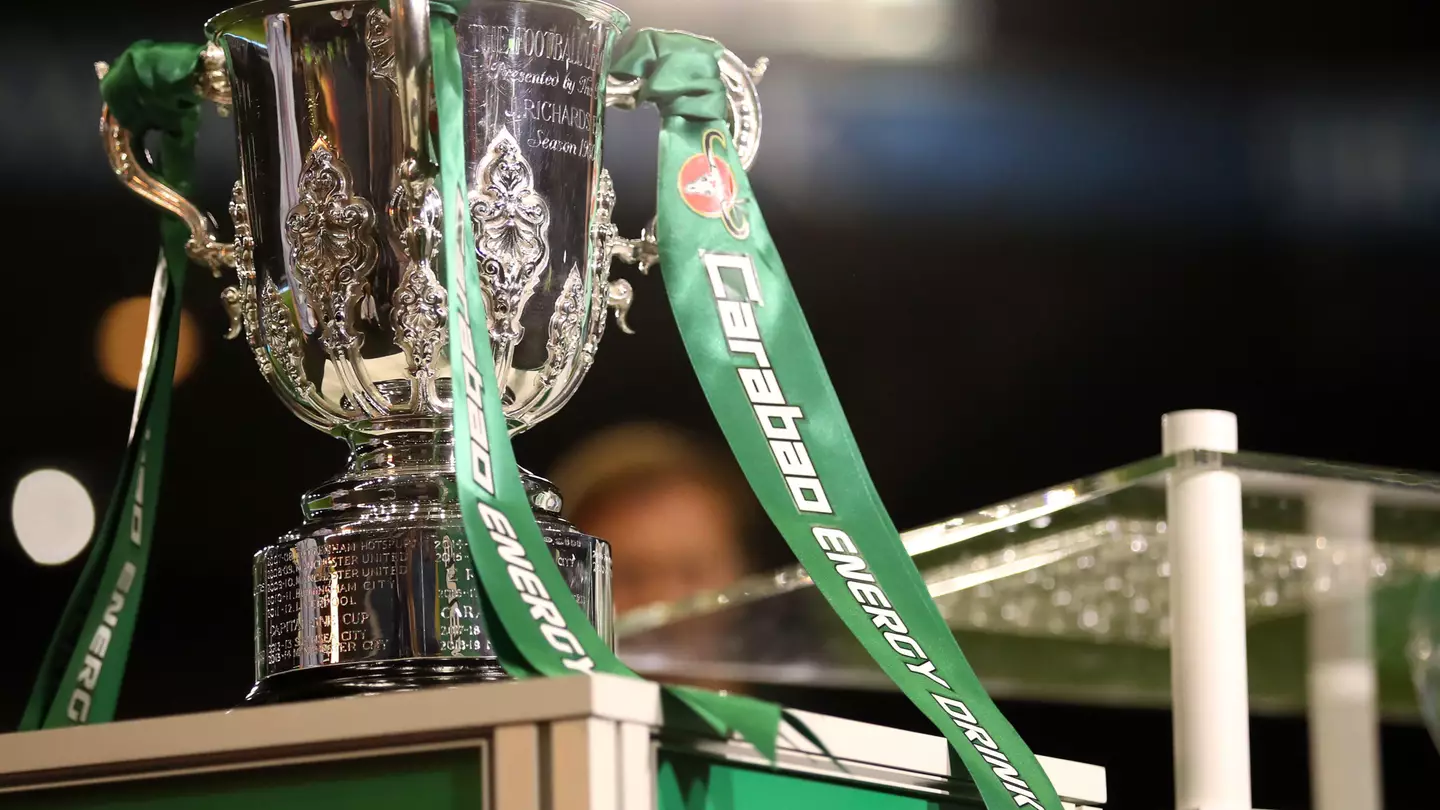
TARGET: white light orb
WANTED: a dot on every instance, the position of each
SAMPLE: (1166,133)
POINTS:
(53,516)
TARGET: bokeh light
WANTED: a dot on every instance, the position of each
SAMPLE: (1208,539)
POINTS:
(120,342)
(53,516)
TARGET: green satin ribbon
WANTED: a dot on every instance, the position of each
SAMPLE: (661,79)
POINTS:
(762,374)
(149,89)
(532,618)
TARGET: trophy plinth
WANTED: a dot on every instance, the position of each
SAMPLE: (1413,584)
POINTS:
(376,591)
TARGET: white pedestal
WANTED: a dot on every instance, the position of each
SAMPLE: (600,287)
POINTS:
(577,743)
(1343,694)
(1207,615)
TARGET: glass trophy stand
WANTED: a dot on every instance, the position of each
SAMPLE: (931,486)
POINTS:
(1067,594)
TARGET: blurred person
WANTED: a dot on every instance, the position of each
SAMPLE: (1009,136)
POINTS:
(682,521)
(676,511)
(678,515)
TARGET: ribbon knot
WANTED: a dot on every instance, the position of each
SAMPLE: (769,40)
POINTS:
(151,87)
(681,74)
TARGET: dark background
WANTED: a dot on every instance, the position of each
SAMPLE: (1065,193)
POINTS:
(1015,260)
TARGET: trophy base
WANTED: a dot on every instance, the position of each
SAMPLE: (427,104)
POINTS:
(377,591)
(372,677)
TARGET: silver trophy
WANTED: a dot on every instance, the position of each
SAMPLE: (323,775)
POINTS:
(342,300)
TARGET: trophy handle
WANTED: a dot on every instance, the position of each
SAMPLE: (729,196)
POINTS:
(129,164)
(744,101)
(420,312)
(410,35)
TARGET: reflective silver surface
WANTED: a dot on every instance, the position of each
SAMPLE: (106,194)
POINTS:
(343,304)
(332,120)
(381,569)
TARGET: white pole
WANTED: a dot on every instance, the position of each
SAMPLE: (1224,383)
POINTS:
(1208,681)
(1343,705)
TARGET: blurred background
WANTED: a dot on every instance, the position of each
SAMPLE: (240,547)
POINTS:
(1021,232)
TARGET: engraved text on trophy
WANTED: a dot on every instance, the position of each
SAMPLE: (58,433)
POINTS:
(566,62)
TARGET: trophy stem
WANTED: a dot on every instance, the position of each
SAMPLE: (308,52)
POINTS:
(376,592)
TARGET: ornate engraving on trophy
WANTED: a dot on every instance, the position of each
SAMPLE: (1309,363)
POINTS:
(213,83)
(265,317)
(419,312)
(512,231)
(602,239)
(333,249)
(378,46)
(564,342)
(282,340)
(740,80)
(240,302)
(331,231)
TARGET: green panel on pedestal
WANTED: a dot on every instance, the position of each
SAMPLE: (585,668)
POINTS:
(695,783)
(439,780)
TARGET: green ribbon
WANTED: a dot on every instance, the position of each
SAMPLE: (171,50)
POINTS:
(762,374)
(149,89)
(532,618)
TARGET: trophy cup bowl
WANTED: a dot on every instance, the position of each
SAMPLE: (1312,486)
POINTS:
(343,303)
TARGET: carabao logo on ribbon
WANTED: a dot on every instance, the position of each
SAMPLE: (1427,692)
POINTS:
(709,188)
